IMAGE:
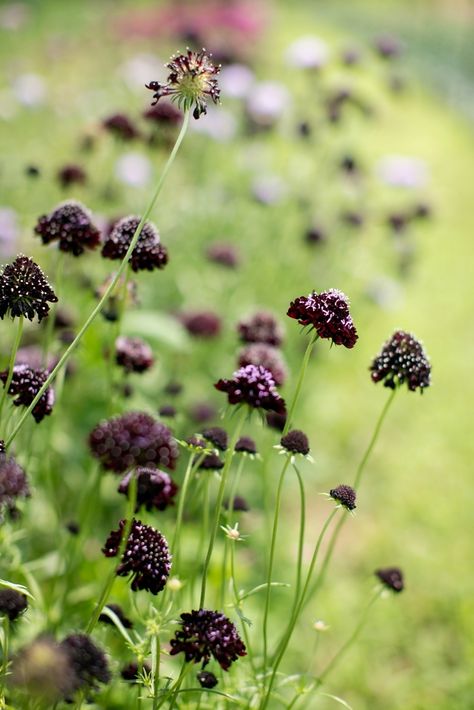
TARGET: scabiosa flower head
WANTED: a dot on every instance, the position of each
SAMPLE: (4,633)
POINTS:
(223,254)
(146,557)
(12,603)
(133,439)
(70,224)
(211,462)
(402,360)
(276,421)
(217,436)
(163,113)
(88,661)
(255,386)
(392,578)
(344,495)
(71,175)
(25,385)
(328,313)
(206,633)
(201,324)
(148,254)
(267,356)
(167,410)
(207,679)
(133,354)
(24,290)
(121,127)
(43,670)
(295,442)
(155,489)
(131,672)
(13,482)
(240,505)
(262,327)
(118,611)
(191,82)
(202,412)
(246,445)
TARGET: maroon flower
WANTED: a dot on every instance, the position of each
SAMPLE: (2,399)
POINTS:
(207,679)
(24,290)
(345,496)
(262,327)
(328,313)
(255,386)
(267,356)
(402,360)
(148,254)
(131,671)
(13,482)
(163,113)
(25,385)
(216,436)
(201,324)
(295,442)
(12,603)
(133,354)
(155,489)
(246,445)
(119,613)
(223,254)
(392,578)
(88,661)
(71,175)
(70,224)
(121,127)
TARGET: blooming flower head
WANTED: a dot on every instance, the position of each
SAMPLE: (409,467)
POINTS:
(391,578)
(246,445)
(133,439)
(155,489)
(25,385)
(163,114)
(402,360)
(132,671)
(13,482)
(206,633)
(345,496)
(148,254)
(133,354)
(223,254)
(24,290)
(295,442)
(12,603)
(88,662)
(121,126)
(71,174)
(328,313)
(267,356)
(262,327)
(201,324)
(190,83)
(255,386)
(43,670)
(146,557)
(216,436)
(71,226)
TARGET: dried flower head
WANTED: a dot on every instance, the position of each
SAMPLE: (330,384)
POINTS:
(121,126)
(12,603)
(13,482)
(133,439)
(87,660)
(155,489)
(201,324)
(190,83)
(255,386)
(216,436)
(262,327)
(43,670)
(269,357)
(328,313)
(392,578)
(206,633)
(24,290)
(133,354)
(146,557)
(71,174)
(25,385)
(148,253)
(246,445)
(207,679)
(295,442)
(344,495)
(69,224)
(402,360)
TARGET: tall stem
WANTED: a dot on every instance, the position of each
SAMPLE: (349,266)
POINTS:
(11,364)
(299,563)
(179,515)
(123,265)
(49,329)
(304,365)
(6,645)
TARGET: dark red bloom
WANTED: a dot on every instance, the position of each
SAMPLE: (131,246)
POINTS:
(296,442)
(392,578)
(133,354)
(148,254)
(345,495)
(267,356)
(87,660)
(13,481)
(201,324)
(121,127)
(223,254)
(328,313)
(71,226)
(155,488)
(12,603)
(72,175)
(164,113)
(25,385)
(255,386)
(24,290)
(402,360)
(217,436)
(262,327)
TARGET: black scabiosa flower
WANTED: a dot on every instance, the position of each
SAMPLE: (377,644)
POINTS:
(276,421)
(12,603)
(255,386)
(246,445)
(119,613)
(190,83)
(262,327)
(69,224)
(211,462)
(146,557)
(206,633)
(43,670)
(328,313)
(163,114)
(88,661)
(267,356)
(149,253)
(207,679)
(391,578)
(25,385)
(216,436)
(121,126)
(223,254)
(201,324)
(13,482)
(133,439)
(402,360)
(344,495)
(167,410)
(131,672)
(71,175)
(133,354)
(295,442)
(202,412)
(24,290)
(240,505)
(155,489)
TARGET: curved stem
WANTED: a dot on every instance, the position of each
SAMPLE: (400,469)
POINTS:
(49,329)
(299,563)
(230,512)
(179,514)
(6,646)
(123,265)
(304,365)
(11,365)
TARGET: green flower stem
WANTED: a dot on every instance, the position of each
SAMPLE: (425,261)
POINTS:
(109,583)
(238,605)
(294,618)
(6,650)
(299,563)
(50,321)
(230,512)
(156,668)
(11,365)
(360,470)
(220,497)
(185,668)
(272,559)
(123,265)
(352,637)
(299,384)
(179,516)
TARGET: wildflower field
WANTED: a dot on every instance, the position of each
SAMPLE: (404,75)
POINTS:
(237,248)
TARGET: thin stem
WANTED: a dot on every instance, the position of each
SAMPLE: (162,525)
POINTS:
(238,605)
(6,645)
(179,515)
(304,366)
(299,563)
(123,265)
(49,328)
(11,364)
(230,512)
(272,559)
(156,669)
(220,497)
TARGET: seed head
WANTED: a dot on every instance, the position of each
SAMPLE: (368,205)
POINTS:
(255,386)
(149,253)
(262,327)
(392,578)
(155,489)
(71,226)
(328,313)
(133,354)
(25,385)
(12,603)
(24,290)
(344,495)
(402,360)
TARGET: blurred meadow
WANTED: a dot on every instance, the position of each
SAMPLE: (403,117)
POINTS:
(307,203)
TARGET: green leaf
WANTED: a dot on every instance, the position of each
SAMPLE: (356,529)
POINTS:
(107,611)
(262,586)
(338,700)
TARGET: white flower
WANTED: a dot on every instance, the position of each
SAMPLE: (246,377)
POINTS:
(308,53)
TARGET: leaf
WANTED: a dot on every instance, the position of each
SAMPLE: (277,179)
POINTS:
(338,700)
(244,619)
(151,325)
(263,586)
(107,611)
(16,587)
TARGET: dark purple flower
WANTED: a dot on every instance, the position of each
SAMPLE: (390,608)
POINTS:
(71,175)
(328,313)
(25,385)
(211,462)
(255,386)
(207,679)
(131,672)
(276,421)
(262,327)
(240,505)
(201,324)
(148,254)
(121,126)
(266,356)
(155,489)
(13,482)
(146,557)
(167,410)
(246,445)
(133,439)
(344,495)
(206,633)
(392,578)
(87,660)
(173,388)
(71,226)
(217,436)
(223,254)
(387,46)
(315,235)
(118,611)
(12,603)
(295,442)
(163,114)
(24,290)
(133,354)
(402,360)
